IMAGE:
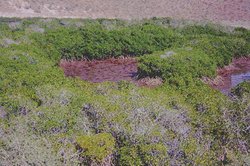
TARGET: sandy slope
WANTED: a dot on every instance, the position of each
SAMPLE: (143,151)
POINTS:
(232,12)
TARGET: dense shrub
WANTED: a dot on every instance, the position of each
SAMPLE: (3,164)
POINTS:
(97,148)
(95,42)
(208,29)
(177,69)
(152,154)
(241,90)
(222,49)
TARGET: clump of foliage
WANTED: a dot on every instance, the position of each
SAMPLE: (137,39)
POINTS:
(96,42)
(152,154)
(242,90)
(97,147)
(185,65)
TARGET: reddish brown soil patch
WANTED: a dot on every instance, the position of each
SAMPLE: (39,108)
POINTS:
(231,75)
(107,70)
(101,70)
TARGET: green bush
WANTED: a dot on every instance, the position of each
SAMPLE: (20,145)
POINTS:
(179,68)
(96,147)
(208,29)
(95,42)
(241,90)
(151,154)
(222,49)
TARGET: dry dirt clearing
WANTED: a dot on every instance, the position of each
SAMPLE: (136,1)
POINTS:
(229,12)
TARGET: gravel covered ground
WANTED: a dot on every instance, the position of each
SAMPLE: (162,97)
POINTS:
(229,12)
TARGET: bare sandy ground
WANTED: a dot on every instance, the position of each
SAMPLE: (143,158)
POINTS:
(229,12)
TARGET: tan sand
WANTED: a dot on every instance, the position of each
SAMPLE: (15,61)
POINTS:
(227,12)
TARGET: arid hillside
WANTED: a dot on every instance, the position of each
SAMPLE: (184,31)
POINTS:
(230,12)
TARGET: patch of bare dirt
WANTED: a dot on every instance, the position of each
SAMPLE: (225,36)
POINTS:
(101,70)
(229,12)
(112,70)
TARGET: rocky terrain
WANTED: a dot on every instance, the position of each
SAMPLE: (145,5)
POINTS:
(228,12)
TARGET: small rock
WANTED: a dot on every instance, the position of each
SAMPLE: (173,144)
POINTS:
(23,111)
(15,25)
(180,154)
(40,114)
(86,107)
(3,113)
(64,22)
(167,54)
(62,152)
(79,24)
(36,28)
(201,108)
(46,20)
(171,153)
(55,130)
(189,48)
(7,42)
(15,57)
